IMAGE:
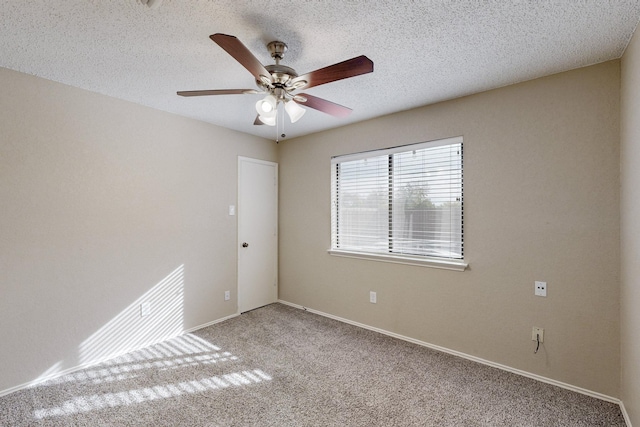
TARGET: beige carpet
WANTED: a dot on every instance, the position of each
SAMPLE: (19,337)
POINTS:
(279,366)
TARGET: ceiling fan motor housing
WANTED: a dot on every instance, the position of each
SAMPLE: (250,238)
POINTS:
(281,75)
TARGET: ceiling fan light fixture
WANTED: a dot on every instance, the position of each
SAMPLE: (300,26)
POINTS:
(267,106)
(294,110)
(269,121)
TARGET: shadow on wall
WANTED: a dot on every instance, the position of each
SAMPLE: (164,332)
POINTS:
(155,316)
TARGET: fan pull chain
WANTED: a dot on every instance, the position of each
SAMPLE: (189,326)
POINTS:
(278,115)
(277,123)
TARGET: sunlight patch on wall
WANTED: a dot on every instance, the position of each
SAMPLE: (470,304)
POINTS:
(155,316)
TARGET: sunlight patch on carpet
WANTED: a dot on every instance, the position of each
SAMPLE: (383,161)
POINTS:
(132,397)
(179,352)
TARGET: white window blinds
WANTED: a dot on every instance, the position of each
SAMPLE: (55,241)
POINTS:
(404,201)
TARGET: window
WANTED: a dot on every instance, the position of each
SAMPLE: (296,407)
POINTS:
(402,204)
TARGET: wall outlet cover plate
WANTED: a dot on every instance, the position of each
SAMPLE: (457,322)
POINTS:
(537,332)
(540,289)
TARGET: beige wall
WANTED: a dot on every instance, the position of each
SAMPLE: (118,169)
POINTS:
(541,203)
(107,204)
(630,230)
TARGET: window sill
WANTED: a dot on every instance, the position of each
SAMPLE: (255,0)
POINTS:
(447,264)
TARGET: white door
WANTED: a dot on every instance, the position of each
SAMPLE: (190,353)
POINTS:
(257,233)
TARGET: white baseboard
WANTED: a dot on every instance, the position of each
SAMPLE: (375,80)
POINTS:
(104,359)
(627,419)
(361,325)
(49,377)
(473,358)
(186,331)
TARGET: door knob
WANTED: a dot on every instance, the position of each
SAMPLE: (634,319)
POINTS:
(245,245)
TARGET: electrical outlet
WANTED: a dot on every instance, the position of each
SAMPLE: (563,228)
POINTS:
(537,332)
(227,295)
(145,309)
(373,298)
(540,289)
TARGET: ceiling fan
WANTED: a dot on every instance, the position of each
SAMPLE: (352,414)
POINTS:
(280,82)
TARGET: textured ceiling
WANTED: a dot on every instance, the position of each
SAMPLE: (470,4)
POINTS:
(423,51)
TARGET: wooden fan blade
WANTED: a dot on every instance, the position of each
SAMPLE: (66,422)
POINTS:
(240,53)
(323,105)
(342,70)
(216,92)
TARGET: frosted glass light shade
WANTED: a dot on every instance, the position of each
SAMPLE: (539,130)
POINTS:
(267,109)
(269,121)
(267,106)
(294,110)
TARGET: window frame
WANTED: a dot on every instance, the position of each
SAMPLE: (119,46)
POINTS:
(419,260)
